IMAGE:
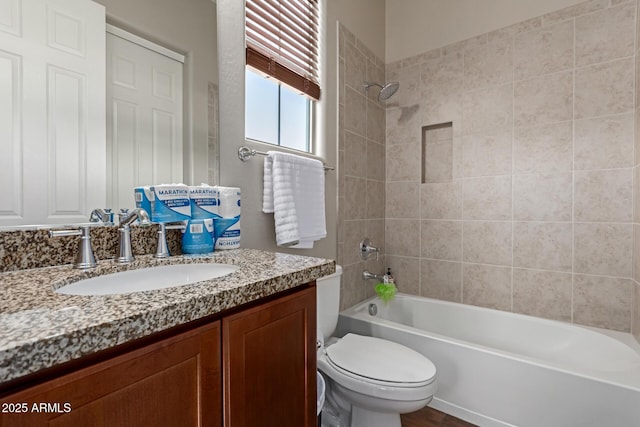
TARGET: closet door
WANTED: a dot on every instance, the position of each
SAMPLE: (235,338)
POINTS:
(52,98)
(144,116)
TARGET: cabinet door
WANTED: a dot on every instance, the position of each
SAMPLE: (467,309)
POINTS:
(270,363)
(175,382)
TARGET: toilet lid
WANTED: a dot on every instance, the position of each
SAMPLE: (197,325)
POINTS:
(380,360)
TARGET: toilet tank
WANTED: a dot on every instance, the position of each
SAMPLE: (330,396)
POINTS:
(328,302)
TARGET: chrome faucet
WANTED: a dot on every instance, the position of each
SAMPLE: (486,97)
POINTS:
(162,250)
(101,215)
(85,258)
(367,276)
(124,231)
(366,249)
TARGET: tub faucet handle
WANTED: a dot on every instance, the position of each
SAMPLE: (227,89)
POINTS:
(366,249)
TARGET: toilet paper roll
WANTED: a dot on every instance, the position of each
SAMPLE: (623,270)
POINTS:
(229,202)
(204,201)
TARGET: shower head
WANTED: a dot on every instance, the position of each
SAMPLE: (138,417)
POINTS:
(386,91)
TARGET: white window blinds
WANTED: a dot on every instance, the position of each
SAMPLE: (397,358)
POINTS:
(282,41)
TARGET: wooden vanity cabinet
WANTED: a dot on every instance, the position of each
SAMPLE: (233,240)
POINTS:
(174,382)
(267,353)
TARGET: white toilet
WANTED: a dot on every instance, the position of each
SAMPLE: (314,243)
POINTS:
(374,379)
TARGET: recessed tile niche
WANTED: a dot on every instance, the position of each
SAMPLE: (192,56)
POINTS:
(437,153)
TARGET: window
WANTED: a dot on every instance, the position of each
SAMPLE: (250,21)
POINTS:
(276,114)
(282,45)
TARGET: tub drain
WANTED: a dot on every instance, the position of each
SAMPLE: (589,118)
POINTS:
(373,309)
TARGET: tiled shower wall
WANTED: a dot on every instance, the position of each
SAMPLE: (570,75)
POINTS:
(361,165)
(536,214)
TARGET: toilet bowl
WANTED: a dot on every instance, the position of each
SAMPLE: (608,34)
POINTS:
(372,379)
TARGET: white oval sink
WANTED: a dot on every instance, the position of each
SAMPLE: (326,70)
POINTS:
(147,279)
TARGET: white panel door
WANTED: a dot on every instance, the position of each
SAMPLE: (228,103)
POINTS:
(144,118)
(52,98)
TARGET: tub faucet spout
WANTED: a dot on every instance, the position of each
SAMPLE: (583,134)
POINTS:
(366,276)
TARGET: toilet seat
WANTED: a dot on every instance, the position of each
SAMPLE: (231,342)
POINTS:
(351,363)
(380,361)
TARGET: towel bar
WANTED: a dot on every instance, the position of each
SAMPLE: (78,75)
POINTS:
(245,153)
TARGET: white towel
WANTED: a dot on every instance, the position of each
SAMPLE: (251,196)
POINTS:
(294,192)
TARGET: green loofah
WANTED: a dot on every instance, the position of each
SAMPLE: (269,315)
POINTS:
(386,291)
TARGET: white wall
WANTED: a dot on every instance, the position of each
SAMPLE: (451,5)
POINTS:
(188,27)
(415,26)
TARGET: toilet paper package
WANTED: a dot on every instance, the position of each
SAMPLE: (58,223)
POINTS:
(171,203)
(227,224)
(204,201)
(144,197)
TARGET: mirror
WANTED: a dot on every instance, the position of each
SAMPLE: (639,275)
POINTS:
(187,28)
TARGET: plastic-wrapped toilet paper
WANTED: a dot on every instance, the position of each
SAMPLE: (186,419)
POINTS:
(144,197)
(204,201)
(227,223)
(171,203)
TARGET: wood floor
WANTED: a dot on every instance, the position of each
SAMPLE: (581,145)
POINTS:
(429,417)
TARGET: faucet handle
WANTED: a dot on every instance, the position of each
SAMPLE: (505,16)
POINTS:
(162,250)
(366,249)
(84,258)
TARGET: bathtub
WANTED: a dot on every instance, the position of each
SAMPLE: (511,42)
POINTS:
(503,369)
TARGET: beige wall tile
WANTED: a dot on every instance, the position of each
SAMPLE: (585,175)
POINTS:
(355,67)
(376,199)
(354,232)
(355,190)
(489,64)
(604,142)
(487,198)
(635,327)
(403,162)
(543,245)
(487,242)
(355,119)
(604,89)
(543,51)
(355,150)
(409,91)
(402,200)
(375,232)
(440,108)
(406,272)
(605,35)
(543,100)
(442,74)
(487,154)
(403,125)
(441,280)
(441,240)
(402,237)
(603,249)
(636,254)
(375,161)
(542,293)
(375,122)
(544,149)
(441,200)
(603,302)
(438,161)
(637,127)
(352,285)
(487,109)
(487,286)
(539,197)
(573,11)
(604,195)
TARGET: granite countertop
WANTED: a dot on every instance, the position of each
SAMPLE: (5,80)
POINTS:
(40,329)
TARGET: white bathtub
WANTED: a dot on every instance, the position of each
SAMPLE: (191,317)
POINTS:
(504,369)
